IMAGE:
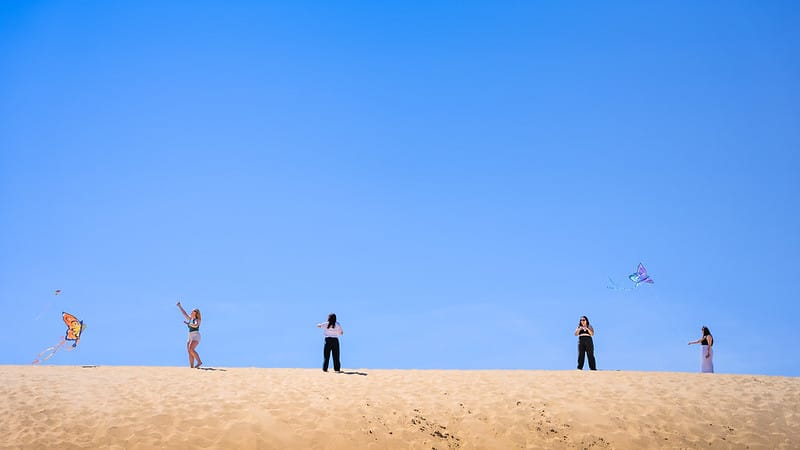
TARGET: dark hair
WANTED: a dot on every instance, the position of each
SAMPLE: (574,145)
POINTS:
(331,320)
(587,321)
(706,331)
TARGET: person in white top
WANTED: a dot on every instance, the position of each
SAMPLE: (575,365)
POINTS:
(193,322)
(331,330)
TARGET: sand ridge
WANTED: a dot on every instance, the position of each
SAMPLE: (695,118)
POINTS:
(178,407)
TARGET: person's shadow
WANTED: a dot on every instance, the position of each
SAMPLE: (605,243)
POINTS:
(363,374)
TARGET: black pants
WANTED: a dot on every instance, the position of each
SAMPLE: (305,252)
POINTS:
(586,345)
(331,346)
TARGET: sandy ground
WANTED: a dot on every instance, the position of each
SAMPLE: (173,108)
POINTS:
(178,407)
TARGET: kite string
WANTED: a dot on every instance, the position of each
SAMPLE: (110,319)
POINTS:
(49,304)
(46,308)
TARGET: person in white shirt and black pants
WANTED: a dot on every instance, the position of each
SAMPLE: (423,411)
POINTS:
(585,331)
(332,330)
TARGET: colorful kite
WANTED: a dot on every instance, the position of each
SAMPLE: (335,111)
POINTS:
(75,328)
(638,277)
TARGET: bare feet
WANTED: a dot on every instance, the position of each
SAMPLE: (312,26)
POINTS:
(198,365)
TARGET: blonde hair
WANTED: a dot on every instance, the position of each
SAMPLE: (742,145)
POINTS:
(198,313)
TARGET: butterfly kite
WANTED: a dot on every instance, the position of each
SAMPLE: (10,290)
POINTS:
(638,277)
(75,328)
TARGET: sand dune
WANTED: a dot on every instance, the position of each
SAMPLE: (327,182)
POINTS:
(177,407)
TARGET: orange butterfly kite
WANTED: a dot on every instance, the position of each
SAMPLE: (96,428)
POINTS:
(75,329)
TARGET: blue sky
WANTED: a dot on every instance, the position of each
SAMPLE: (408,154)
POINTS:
(456,180)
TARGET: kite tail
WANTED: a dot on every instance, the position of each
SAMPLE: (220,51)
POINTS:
(48,353)
(615,287)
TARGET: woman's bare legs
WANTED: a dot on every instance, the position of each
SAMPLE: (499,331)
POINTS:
(193,354)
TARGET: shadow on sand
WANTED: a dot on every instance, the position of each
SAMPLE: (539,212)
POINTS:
(363,374)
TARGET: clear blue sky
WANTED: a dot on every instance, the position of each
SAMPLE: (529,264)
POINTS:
(455,180)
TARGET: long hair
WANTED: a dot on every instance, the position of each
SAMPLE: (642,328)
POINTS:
(588,325)
(706,331)
(198,314)
(331,320)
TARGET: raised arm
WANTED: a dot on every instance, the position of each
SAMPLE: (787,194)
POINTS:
(183,311)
